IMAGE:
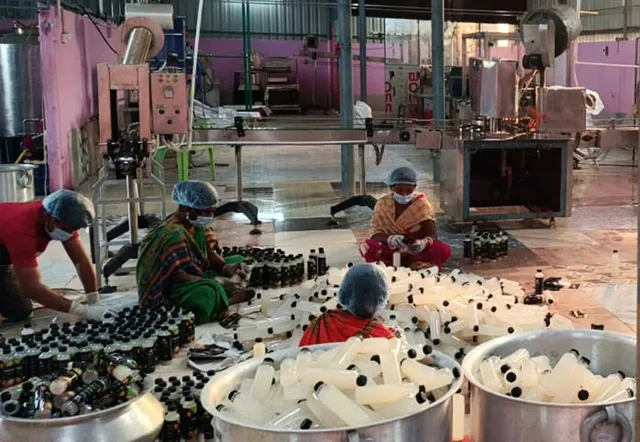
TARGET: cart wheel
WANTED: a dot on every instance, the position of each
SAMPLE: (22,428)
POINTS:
(332,222)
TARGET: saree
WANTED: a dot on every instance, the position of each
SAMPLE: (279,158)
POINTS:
(384,222)
(169,249)
(339,325)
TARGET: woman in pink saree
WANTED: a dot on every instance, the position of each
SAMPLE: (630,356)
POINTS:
(404,221)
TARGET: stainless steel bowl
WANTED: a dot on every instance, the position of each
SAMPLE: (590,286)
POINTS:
(138,420)
(430,425)
(496,417)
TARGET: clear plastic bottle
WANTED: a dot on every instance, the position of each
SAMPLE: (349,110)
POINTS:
(18,367)
(468,248)
(539,282)
(322,262)
(27,333)
(97,352)
(312,265)
(62,359)
(45,362)
(31,360)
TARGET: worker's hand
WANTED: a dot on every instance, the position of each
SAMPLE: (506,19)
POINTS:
(230,270)
(91,312)
(419,245)
(396,242)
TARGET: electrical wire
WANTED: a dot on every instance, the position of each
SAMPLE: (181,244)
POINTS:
(98,29)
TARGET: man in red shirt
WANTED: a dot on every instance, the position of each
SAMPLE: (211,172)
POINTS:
(25,232)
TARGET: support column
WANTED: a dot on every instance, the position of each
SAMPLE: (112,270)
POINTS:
(437,54)
(345,70)
(362,31)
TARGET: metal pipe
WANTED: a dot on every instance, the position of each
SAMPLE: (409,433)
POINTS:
(362,29)
(138,46)
(134,232)
(363,170)
(239,184)
(638,269)
(465,66)
(437,54)
(625,19)
(613,65)
(192,91)
(346,94)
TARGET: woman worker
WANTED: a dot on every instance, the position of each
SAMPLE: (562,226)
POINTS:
(178,261)
(404,221)
(25,232)
(364,290)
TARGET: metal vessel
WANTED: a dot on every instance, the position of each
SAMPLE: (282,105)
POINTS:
(20,83)
(139,420)
(566,22)
(430,425)
(16,183)
(496,417)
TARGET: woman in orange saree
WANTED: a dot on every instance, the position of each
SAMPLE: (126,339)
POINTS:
(404,221)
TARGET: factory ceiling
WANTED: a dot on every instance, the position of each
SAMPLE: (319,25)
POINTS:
(486,11)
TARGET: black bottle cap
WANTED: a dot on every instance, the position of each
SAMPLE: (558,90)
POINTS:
(479,306)
(412,353)
(220,407)
(237,345)
(575,352)
(456,372)
(186,378)
(583,395)
(318,386)
(306,424)
(361,380)
(421,397)
(476,328)
(173,378)
(375,358)
(410,299)
(585,360)
(622,374)
(504,369)
(352,367)
(454,318)
(426,349)
(258,340)
(436,341)
(158,381)
(233,394)
(516,392)
(415,320)
(447,330)
(511,377)
(268,361)
(494,309)
(511,330)
(311,317)
(323,309)
(445,303)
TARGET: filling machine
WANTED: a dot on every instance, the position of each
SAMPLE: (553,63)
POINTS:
(136,105)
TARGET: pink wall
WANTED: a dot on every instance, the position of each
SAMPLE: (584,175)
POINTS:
(226,59)
(69,83)
(615,84)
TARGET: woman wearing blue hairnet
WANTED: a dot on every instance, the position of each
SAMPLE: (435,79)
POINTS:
(27,229)
(364,290)
(178,260)
(404,221)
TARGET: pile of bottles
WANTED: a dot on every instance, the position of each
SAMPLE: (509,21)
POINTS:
(570,381)
(451,311)
(272,268)
(108,359)
(482,247)
(359,382)
(185,418)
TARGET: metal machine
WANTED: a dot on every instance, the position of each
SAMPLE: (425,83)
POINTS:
(135,105)
(513,161)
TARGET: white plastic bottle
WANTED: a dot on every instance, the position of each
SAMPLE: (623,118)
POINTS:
(539,282)
(615,263)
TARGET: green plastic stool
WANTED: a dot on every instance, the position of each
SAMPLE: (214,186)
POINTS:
(183,160)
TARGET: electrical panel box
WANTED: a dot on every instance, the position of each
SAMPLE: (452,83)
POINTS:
(169,103)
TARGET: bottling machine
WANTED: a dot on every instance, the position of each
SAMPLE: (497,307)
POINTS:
(514,161)
(135,106)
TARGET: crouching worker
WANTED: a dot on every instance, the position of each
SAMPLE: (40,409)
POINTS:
(178,261)
(363,292)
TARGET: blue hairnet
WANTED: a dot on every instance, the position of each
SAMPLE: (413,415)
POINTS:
(402,175)
(70,207)
(198,195)
(364,290)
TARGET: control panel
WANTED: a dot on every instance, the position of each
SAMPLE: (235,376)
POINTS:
(169,103)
